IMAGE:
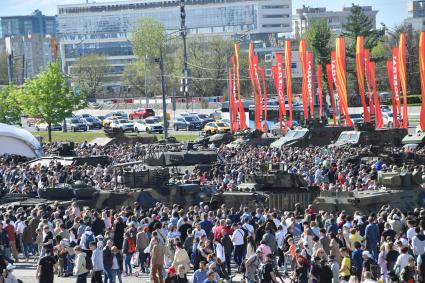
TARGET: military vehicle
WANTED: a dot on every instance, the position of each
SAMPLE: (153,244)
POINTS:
(274,188)
(412,145)
(315,136)
(72,160)
(401,190)
(78,190)
(182,194)
(367,135)
(251,137)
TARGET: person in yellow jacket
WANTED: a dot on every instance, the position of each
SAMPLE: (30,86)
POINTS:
(345,269)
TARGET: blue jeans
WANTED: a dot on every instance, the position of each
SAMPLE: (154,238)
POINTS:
(69,264)
(142,260)
(238,254)
(116,272)
(107,275)
(127,265)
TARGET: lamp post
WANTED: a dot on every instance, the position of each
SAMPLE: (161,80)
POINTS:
(9,52)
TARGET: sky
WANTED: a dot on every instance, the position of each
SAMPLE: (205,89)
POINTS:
(391,12)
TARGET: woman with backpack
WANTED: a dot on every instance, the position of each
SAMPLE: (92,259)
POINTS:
(128,248)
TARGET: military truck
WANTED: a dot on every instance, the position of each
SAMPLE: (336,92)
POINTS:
(401,190)
(370,136)
(412,144)
(315,136)
(272,188)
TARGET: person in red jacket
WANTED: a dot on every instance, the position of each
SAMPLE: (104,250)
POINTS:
(10,231)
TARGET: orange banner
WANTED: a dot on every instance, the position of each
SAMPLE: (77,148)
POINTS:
(360,75)
(333,71)
(422,73)
(390,79)
(288,69)
(265,127)
(304,94)
(242,119)
(310,83)
(378,111)
(341,79)
(259,95)
(280,89)
(254,87)
(396,82)
(369,92)
(402,75)
(319,89)
(232,91)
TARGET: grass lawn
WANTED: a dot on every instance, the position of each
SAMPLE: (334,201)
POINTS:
(89,136)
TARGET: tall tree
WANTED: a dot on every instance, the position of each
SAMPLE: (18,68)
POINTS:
(89,73)
(10,110)
(49,98)
(318,37)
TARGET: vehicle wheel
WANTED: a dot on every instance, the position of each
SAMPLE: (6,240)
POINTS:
(208,133)
(122,130)
(160,132)
(73,130)
(85,130)
(136,130)
(188,128)
(148,131)
(37,129)
(176,128)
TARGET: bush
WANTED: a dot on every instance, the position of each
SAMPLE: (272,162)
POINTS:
(411,99)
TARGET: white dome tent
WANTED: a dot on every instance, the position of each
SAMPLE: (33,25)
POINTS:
(14,140)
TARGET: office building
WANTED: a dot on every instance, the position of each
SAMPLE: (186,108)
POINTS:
(105,28)
(335,19)
(24,25)
(416,14)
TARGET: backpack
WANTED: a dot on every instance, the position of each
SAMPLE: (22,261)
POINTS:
(131,249)
(245,235)
(89,263)
(375,270)
(89,238)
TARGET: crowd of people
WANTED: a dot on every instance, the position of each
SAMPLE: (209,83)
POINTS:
(169,243)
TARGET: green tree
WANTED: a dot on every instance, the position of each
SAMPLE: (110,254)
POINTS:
(148,38)
(318,36)
(49,98)
(10,110)
(89,73)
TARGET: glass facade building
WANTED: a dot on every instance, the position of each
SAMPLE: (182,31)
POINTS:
(105,28)
(24,25)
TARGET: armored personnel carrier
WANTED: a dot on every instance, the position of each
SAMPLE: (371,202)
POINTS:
(367,135)
(78,190)
(273,188)
(401,190)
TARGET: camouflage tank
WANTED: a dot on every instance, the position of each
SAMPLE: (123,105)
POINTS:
(182,158)
(182,194)
(78,190)
(273,188)
(251,138)
(401,190)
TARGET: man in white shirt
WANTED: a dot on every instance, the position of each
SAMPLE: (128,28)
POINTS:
(411,232)
(198,232)
(280,236)
(238,243)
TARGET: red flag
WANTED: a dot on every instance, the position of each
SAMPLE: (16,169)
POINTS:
(341,79)
(367,76)
(390,79)
(402,74)
(319,89)
(333,69)
(265,127)
(288,68)
(310,91)
(278,79)
(232,91)
(360,75)
(259,95)
(331,90)
(396,83)
(253,78)
(242,120)
(303,57)
(378,111)
(422,74)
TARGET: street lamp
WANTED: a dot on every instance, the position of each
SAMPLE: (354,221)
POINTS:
(9,52)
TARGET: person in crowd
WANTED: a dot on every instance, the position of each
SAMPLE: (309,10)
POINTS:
(80,268)
(97,260)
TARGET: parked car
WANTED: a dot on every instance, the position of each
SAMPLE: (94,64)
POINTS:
(120,114)
(387,118)
(187,123)
(75,124)
(205,118)
(92,123)
(122,124)
(386,108)
(107,121)
(212,128)
(32,121)
(141,113)
(86,115)
(356,118)
(148,125)
(44,127)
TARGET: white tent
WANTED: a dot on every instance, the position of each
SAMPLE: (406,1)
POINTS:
(14,140)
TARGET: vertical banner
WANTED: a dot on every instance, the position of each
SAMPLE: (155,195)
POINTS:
(242,119)
(333,70)
(232,91)
(331,90)
(258,113)
(378,111)
(288,69)
(265,127)
(278,80)
(390,79)
(402,74)
(303,56)
(367,77)
(360,75)
(341,79)
(422,74)
(310,83)
(396,83)
(319,89)
(254,86)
